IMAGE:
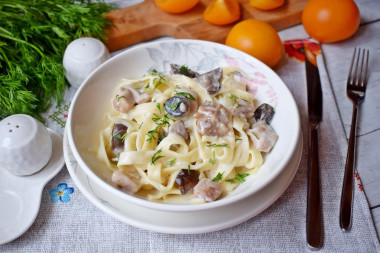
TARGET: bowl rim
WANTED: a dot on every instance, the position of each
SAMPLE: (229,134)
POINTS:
(182,207)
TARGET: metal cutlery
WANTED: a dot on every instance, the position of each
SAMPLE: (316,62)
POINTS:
(356,87)
(314,227)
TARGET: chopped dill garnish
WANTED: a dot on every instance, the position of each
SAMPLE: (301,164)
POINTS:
(174,105)
(188,169)
(160,122)
(159,107)
(172,161)
(121,137)
(231,180)
(156,117)
(141,125)
(160,79)
(118,97)
(238,139)
(170,117)
(186,95)
(151,134)
(212,160)
(218,177)
(183,69)
(234,98)
(156,156)
(223,145)
(161,136)
(240,177)
(255,136)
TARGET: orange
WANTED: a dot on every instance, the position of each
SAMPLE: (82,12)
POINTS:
(266,4)
(175,6)
(258,39)
(222,12)
(331,20)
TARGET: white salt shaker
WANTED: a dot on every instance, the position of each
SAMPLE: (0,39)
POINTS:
(81,57)
(25,145)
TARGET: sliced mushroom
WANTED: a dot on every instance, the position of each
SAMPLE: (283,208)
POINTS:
(183,70)
(245,109)
(127,97)
(212,119)
(177,106)
(263,136)
(186,180)
(210,80)
(118,131)
(208,190)
(192,96)
(179,128)
(130,183)
(264,112)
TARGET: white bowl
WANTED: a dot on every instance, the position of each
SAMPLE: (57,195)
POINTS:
(92,101)
(25,145)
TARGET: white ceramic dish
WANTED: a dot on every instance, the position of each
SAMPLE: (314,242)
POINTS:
(20,196)
(195,222)
(92,101)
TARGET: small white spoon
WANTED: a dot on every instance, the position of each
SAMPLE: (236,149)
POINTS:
(20,196)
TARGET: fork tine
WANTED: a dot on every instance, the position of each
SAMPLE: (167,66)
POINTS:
(349,81)
(364,82)
(356,73)
(360,70)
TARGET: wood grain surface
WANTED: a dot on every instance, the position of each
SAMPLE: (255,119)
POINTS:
(145,21)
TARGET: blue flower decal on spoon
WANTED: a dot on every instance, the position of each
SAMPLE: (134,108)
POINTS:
(62,193)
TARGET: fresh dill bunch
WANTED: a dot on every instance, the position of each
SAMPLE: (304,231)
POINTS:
(33,37)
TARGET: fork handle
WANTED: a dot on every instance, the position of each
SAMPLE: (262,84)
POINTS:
(314,230)
(345,219)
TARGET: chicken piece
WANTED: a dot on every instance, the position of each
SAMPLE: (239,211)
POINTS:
(245,109)
(186,180)
(208,190)
(117,142)
(128,97)
(263,136)
(179,128)
(124,101)
(131,182)
(211,80)
(212,119)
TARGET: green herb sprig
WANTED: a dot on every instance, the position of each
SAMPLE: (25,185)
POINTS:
(121,137)
(218,177)
(186,95)
(160,78)
(33,38)
(212,160)
(172,161)
(156,156)
(241,177)
(222,145)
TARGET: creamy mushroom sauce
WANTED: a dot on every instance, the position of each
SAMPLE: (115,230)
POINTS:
(185,136)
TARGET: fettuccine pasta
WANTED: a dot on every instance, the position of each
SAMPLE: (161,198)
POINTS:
(168,133)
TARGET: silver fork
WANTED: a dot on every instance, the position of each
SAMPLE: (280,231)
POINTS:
(356,87)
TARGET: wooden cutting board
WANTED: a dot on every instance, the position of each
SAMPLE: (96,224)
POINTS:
(145,21)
